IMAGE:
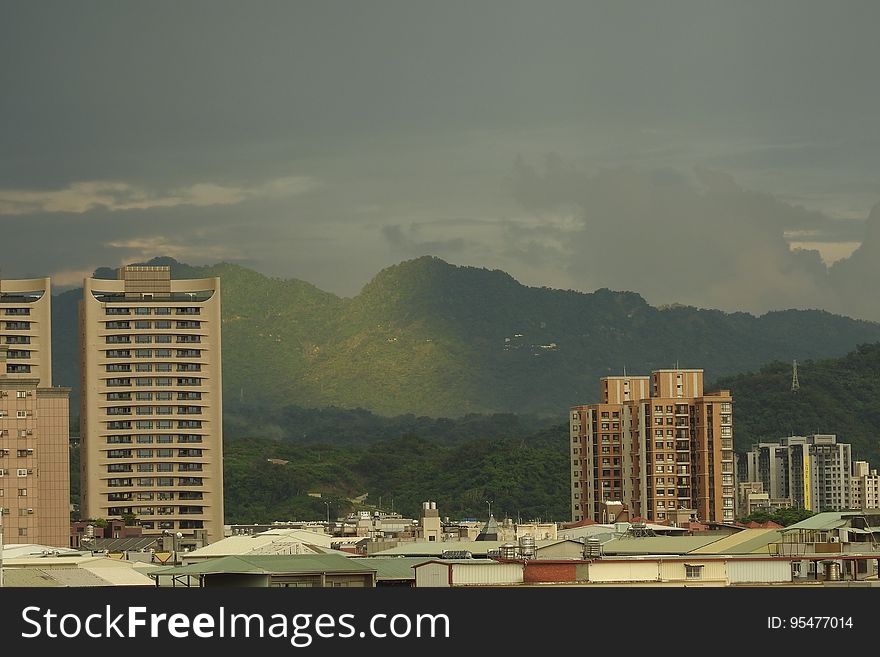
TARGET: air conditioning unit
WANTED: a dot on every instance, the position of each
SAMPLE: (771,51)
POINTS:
(29,432)
(30,511)
(30,393)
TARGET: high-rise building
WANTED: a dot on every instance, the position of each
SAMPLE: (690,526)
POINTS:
(815,471)
(865,486)
(658,444)
(151,420)
(34,420)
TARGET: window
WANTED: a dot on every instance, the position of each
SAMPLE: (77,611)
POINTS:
(22,531)
(20,414)
(693,572)
(22,472)
(22,492)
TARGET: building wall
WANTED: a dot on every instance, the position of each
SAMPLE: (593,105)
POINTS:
(536,572)
(624,571)
(677,571)
(34,448)
(748,571)
(34,461)
(52,462)
(151,418)
(26,327)
(672,450)
(486,574)
(434,575)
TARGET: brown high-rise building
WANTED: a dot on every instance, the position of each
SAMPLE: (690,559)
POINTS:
(658,444)
(34,420)
(151,420)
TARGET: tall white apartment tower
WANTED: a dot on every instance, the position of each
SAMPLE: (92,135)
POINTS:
(151,420)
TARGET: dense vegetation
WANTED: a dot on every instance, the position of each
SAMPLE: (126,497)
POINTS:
(784,517)
(523,477)
(459,470)
(838,395)
(431,339)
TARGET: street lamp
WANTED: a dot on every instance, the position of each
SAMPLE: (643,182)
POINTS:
(327,504)
(489,502)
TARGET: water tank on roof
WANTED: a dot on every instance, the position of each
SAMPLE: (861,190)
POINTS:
(527,546)
(592,548)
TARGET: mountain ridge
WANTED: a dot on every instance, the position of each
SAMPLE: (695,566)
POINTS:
(430,338)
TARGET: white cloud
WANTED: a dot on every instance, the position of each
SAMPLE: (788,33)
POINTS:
(149,247)
(80,197)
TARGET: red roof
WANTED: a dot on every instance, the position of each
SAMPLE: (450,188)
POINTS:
(580,523)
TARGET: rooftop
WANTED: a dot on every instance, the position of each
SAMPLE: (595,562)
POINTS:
(274,564)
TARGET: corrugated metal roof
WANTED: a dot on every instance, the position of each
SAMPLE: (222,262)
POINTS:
(75,577)
(125,544)
(743,542)
(275,541)
(820,521)
(269,564)
(435,549)
(392,567)
(121,576)
(27,577)
(656,544)
(22,550)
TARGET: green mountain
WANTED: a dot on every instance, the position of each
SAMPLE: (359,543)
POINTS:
(837,395)
(432,339)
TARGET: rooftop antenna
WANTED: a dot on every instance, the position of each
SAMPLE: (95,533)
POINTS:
(795,385)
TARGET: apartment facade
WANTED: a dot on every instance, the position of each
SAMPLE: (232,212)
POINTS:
(34,420)
(659,444)
(815,471)
(865,486)
(151,420)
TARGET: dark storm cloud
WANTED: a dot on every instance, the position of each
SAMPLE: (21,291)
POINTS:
(141,129)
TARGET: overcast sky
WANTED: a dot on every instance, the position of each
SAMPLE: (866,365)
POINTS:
(721,154)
